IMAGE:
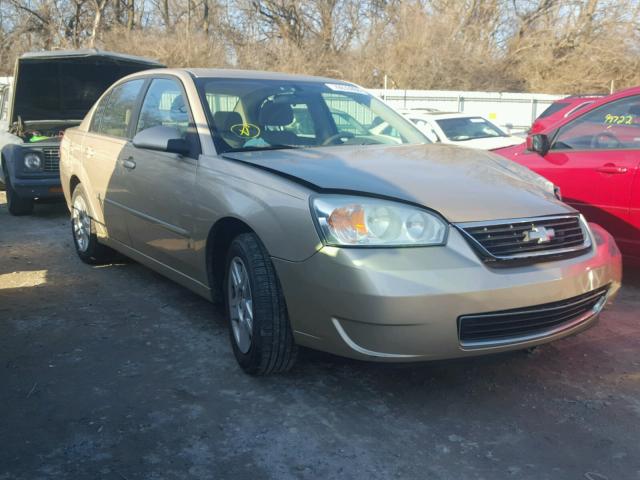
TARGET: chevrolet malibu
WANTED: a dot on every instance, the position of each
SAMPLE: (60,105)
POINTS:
(244,188)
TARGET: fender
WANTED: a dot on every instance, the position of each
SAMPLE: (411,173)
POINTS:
(9,153)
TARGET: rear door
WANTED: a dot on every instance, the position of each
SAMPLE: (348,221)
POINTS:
(108,135)
(160,209)
(594,159)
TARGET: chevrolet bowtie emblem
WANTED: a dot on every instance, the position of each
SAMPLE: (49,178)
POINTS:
(539,234)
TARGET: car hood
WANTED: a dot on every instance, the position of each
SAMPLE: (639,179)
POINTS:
(63,85)
(461,184)
(490,143)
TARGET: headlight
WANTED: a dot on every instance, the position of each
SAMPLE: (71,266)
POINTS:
(360,221)
(32,161)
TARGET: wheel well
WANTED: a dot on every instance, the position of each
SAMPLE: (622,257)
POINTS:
(218,241)
(73,184)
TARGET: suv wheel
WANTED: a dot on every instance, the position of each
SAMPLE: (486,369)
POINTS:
(260,332)
(18,206)
(83,229)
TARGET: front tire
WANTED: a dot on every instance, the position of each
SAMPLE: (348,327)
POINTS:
(84,233)
(260,332)
(18,206)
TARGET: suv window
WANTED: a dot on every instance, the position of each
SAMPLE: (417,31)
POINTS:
(164,105)
(615,125)
(114,117)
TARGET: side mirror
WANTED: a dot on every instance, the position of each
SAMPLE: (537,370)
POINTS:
(161,139)
(538,143)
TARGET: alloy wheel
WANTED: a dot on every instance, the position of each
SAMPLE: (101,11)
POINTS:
(240,304)
(81,223)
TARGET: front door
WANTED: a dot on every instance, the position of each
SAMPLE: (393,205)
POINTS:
(160,208)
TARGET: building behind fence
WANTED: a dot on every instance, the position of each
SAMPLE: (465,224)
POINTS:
(513,111)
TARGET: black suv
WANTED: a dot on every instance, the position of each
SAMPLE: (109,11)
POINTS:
(51,92)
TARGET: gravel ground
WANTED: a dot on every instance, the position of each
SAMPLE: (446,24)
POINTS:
(116,373)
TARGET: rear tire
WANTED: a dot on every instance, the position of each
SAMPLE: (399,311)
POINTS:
(84,232)
(17,205)
(259,327)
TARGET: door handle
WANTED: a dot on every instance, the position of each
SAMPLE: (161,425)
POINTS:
(129,164)
(90,152)
(612,169)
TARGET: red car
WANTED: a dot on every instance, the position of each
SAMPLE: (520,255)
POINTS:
(593,155)
(560,109)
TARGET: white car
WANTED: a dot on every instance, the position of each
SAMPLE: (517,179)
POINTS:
(461,129)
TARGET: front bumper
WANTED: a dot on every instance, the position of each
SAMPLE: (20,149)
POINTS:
(41,188)
(404,304)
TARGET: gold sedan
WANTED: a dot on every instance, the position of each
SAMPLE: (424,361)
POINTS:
(277,195)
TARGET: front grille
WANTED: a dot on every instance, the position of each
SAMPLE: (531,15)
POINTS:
(51,159)
(511,326)
(521,238)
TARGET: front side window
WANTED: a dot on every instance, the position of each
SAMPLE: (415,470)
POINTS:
(615,125)
(460,129)
(115,118)
(164,105)
(252,114)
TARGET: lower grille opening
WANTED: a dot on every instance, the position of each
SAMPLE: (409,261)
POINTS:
(515,325)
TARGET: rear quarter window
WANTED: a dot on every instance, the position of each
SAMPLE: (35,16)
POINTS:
(551,109)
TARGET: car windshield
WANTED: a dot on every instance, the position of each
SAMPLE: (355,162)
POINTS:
(252,114)
(460,129)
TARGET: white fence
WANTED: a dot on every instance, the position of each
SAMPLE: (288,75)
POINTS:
(513,111)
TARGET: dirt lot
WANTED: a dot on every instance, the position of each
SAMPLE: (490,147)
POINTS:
(117,373)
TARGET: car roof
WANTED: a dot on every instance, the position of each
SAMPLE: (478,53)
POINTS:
(87,52)
(257,75)
(570,101)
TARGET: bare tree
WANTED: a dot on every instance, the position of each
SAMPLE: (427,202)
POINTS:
(99,6)
(562,46)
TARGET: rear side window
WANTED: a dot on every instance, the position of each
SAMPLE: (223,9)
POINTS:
(553,108)
(97,115)
(115,117)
